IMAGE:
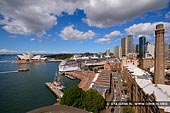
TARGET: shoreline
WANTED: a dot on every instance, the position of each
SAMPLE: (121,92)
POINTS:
(34,61)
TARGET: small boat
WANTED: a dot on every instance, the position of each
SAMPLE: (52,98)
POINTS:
(23,69)
(70,77)
(58,85)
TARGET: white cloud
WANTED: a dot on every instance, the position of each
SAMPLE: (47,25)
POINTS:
(7,51)
(102,40)
(49,35)
(167,39)
(148,37)
(32,39)
(34,16)
(146,28)
(106,39)
(68,33)
(38,16)
(104,13)
(26,20)
(113,34)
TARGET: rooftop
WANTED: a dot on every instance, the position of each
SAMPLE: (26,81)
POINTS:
(161,91)
(58,109)
(137,71)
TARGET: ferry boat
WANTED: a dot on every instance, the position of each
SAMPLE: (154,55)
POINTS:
(23,69)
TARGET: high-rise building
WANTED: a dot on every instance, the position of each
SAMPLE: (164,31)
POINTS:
(167,50)
(137,48)
(127,45)
(149,50)
(118,52)
(134,48)
(159,55)
(142,42)
(124,45)
(108,52)
(130,45)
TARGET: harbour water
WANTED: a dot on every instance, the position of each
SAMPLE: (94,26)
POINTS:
(21,92)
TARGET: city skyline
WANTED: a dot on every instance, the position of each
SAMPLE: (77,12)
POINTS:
(78,26)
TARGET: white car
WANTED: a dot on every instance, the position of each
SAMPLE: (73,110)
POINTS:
(123,97)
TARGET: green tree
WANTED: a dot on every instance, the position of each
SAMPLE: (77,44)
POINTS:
(96,70)
(91,100)
(94,102)
(127,109)
(73,96)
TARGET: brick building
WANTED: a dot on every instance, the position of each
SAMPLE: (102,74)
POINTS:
(141,89)
(146,63)
(112,65)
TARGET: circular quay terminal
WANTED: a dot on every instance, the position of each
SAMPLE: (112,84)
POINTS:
(84,56)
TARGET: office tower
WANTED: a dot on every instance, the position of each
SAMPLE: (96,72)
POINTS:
(134,48)
(108,52)
(118,52)
(137,48)
(127,45)
(124,46)
(130,45)
(159,55)
(149,50)
(142,41)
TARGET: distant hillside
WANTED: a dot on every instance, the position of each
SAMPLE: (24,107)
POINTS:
(61,56)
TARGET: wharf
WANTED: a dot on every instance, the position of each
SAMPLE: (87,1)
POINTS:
(86,78)
(54,89)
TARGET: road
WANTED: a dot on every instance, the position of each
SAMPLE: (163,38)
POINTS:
(118,92)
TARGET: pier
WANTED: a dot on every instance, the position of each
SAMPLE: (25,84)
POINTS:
(54,89)
(86,78)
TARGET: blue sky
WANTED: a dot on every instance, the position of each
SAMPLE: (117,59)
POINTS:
(72,26)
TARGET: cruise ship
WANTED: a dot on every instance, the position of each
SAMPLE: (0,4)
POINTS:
(66,66)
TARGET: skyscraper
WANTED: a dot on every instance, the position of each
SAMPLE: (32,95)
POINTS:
(130,45)
(118,52)
(127,45)
(159,55)
(124,45)
(149,50)
(108,52)
(137,48)
(142,42)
